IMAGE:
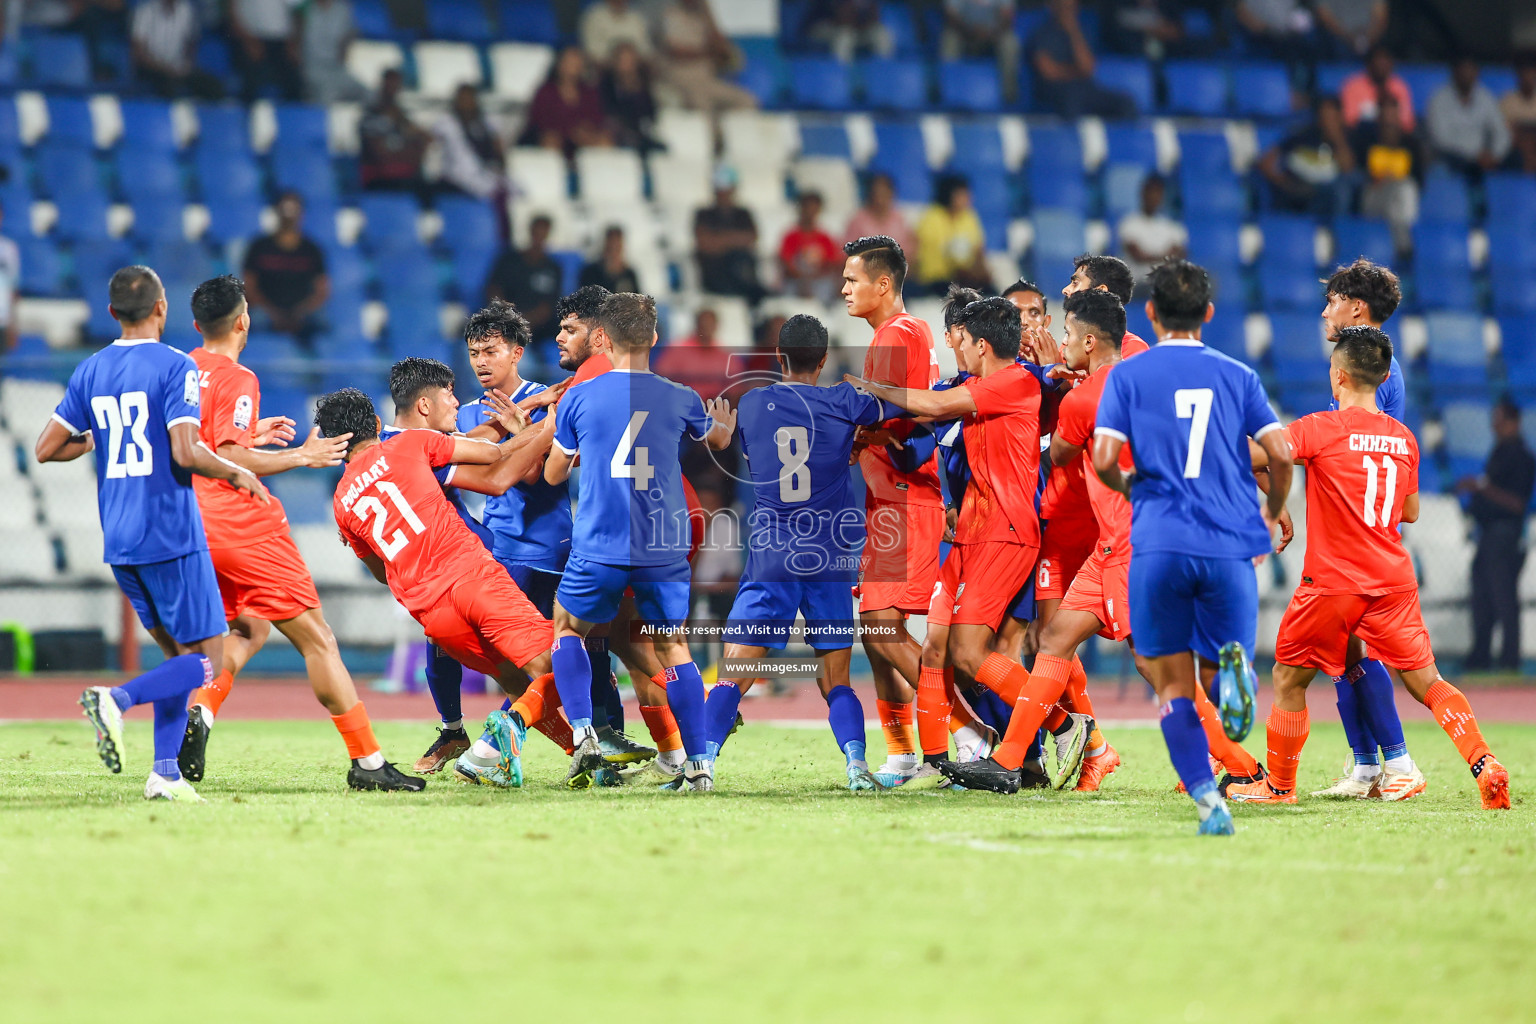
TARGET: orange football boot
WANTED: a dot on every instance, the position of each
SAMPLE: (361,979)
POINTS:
(1096,769)
(1492,783)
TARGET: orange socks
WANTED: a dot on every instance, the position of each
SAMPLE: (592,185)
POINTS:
(1286,735)
(663,728)
(933,709)
(1077,688)
(356,731)
(959,715)
(212,696)
(1038,693)
(1232,756)
(896,723)
(1451,710)
(539,708)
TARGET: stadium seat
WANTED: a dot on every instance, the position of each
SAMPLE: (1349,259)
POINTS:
(531,21)
(1207,183)
(1331,77)
(227,176)
(539,175)
(1354,237)
(1262,90)
(1296,349)
(1131,144)
(1055,169)
(1288,286)
(894,83)
(470,268)
(828,138)
(223,128)
(992,196)
(1059,236)
(1303,399)
(1514,290)
(157,217)
(1288,241)
(1444,198)
(441,67)
(978,145)
(518,69)
(42,266)
(1511,199)
(302,125)
(391,220)
(306,171)
(1196,87)
(1225,333)
(70,122)
(1130,75)
(1122,190)
(898,21)
(1519,350)
(182,266)
(467,224)
(820,83)
(1456,357)
(415,328)
(60,61)
(1213,241)
(148,175)
(614,177)
(27,556)
(899,153)
(463,20)
(1423,80)
(763,74)
(970,85)
(1442,269)
(406,273)
(1468,432)
(148,126)
(368,59)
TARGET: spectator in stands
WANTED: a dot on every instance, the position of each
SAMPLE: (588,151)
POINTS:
(611,269)
(1361,90)
(567,111)
(326,31)
(1062,63)
(531,280)
(285,279)
(849,28)
(164,39)
(99,21)
(266,47)
(696,54)
(626,92)
(1309,170)
(473,160)
(1466,129)
(983,28)
(699,360)
(10,288)
(1151,28)
(1149,236)
(1281,29)
(1392,163)
(879,216)
(1500,498)
(810,261)
(725,241)
(1352,26)
(1519,109)
(608,23)
(951,246)
(392,144)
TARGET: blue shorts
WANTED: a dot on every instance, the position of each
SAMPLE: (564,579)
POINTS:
(591,591)
(538,584)
(764,613)
(1184,602)
(180,595)
(1024,607)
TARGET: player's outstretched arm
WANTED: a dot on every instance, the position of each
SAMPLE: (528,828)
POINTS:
(724,427)
(940,405)
(522,459)
(57,444)
(472,451)
(190,453)
(315,453)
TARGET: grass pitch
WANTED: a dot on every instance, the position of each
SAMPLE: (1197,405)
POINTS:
(782,897)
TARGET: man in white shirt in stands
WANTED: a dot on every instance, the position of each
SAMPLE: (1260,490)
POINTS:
(1149,236)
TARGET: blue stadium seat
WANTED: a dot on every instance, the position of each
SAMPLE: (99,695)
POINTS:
(1131,144)
(213,57)
(467,224)
(1512,199)
(222,128)
(1196,87)
(59,61)
(1122,190)
(152,174)
(470,269)
(96,263)
(824,138)
(1304,399)
(227,176)
(464,20)
(69,122)
(979,146)
(1288,241)
(1331,77)
(181,264)
(970,85)
(10,125)
(406,272)
(42,266)
(82,218)
(1289,286)
(993,198)
(391,220)
(1423,80)
(820,83)
(1261,90)
(791,20)
(1518,334)
(414,329)
(530,21)
(899,153)
(234,217)
(1214,242)
(894,83)
(67,172)
(1444,198)
(1468,431)
(1359,236)
(147,127)
(1229,289)
(763,73)
(158,217)
(320,221)
(306,171)
(898,21)
(1055,171)
(1226,334)
(1130,75)
(371,17)
(1514,288)
(10,67)
(1296,344)
(1456,358)
(1442,269)
(347,269)
(1206,180)
(1058,236)
(303,125)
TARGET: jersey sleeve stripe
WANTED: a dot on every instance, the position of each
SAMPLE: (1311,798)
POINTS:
(61,421)
(185,419)
(563,448)
(453,467)
(1264,430)
(1111,432)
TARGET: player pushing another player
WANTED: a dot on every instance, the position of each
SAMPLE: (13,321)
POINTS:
(1357,579)
(136,404)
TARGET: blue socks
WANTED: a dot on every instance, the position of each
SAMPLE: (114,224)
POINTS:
(1378,708)
(573,680)
(685,694)
(1187,747)
(1361,740)
(719,713)
(445,681)
(170,729)
(845,714)
(173,677)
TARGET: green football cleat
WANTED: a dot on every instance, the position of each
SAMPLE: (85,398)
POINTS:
(510,733)
(103,713)
(468,771)
(1236,689)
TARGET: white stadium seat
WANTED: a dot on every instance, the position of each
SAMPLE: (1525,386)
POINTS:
(27,404)
(26,555)
(518,69)
(19,509)
(368,59)
(609,176)
(68,500)
(539,176)
(681,183)
(330,561)
(442,67)
(834,179)
(686,134)
(83,555)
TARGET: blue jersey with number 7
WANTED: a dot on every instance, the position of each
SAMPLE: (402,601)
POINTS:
(128,396)
(1187,412)
(627,426)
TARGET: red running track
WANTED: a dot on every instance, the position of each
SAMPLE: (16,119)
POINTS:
(286,699)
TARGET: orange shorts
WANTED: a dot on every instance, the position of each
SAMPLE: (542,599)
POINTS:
(486,621)
(901,558)
(1101,589)
(266,579)
(978,583)
(1065,545)
(1315,631)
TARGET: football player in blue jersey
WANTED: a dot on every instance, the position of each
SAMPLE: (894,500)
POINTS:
(1363,293)
(631,527)
(1187,412)
(135,403)
(806,534)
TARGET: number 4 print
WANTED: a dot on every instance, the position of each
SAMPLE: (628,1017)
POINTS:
(640,471)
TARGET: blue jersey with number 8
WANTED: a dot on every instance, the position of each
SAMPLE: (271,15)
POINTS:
(1187,412)
(627,426)
(128,396)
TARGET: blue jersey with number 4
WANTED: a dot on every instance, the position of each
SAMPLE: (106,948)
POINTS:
(1187,412)
(797,439)
(128,396)
(627,426)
